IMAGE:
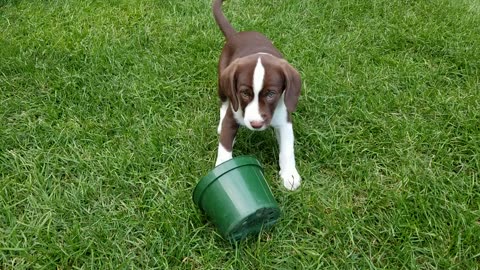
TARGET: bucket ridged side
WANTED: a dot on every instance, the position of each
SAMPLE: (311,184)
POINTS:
(262,219)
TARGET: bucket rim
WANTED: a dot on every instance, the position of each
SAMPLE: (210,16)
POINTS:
(219,171)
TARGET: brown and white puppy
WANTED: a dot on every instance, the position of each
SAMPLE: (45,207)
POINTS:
(258,89)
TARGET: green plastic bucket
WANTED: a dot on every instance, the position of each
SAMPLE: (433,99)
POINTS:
(236,198)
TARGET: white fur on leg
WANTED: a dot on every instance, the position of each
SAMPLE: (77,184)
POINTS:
(223,155)
(288,171)
(223,112)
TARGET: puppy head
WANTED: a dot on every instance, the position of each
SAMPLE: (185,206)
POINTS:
(255,85)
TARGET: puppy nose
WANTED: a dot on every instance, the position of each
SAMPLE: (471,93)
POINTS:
(256,124)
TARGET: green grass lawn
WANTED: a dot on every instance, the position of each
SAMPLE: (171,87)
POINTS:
(108,115)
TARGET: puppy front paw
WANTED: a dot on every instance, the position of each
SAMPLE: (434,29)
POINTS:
(291,179)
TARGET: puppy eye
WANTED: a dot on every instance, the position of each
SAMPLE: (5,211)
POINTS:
(271,94)
(245,93)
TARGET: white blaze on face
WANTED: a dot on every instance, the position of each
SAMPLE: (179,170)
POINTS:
(252,111)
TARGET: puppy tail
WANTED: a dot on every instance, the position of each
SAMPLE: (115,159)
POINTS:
(225,26)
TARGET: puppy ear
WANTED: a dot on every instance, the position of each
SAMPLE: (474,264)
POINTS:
(227,84)
(293,83)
